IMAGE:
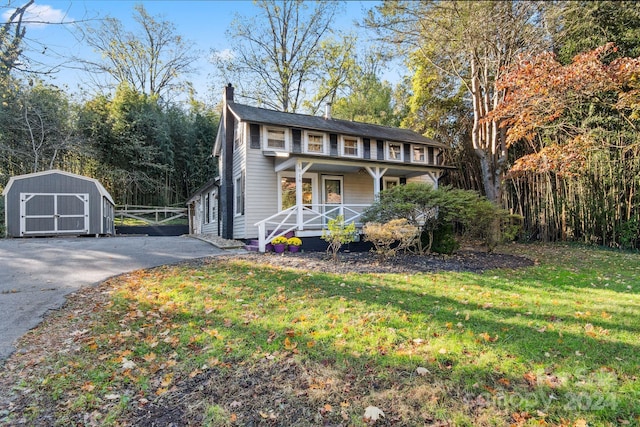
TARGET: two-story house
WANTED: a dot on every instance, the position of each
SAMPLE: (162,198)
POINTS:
(289,173)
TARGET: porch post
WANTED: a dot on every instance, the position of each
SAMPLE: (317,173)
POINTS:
(300,171)
(376,174)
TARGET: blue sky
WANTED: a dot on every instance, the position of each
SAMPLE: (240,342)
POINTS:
(202,22)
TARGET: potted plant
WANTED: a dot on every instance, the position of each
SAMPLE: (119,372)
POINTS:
(279,244)
(294,244)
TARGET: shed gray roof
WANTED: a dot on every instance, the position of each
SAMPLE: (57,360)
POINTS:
(345,127)
(99,186)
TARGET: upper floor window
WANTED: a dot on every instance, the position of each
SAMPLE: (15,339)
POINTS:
(350,146)
(315,143)
(394,151)
(238,133)
(419,154)
(276,139)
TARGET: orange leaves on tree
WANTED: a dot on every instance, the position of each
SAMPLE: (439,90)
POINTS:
(543,98)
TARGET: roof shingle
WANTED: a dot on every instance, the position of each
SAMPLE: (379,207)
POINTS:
(344,127)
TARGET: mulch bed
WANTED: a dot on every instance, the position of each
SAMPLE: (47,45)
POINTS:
(471,260)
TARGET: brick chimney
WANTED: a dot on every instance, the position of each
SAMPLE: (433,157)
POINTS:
(228,93)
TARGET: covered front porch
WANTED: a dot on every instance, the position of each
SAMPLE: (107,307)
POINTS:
(314,191)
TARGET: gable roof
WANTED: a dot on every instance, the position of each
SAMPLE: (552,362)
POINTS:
(103,192)
(345,127)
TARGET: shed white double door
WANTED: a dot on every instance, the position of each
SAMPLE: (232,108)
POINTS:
(51,213)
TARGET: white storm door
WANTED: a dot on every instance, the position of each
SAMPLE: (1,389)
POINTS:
(332,196)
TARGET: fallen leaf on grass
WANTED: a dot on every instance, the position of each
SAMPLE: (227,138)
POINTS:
(128,364)
(422,371)
(373,413)
(88,386)
(289,345)
(531,378)
(149,357)
(269,415)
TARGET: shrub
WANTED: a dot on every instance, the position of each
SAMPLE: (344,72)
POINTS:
(338,234)
(629,232)
(395,232)
(443,240)
(492,224)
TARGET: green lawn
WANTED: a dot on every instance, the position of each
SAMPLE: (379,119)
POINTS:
(554,344)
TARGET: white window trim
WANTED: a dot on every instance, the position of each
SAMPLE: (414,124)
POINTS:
(387,179)
(238,212)
(325,143)
(342,153)
(314,185)
(387,151)
(265,139)
(426,154)
(239,126)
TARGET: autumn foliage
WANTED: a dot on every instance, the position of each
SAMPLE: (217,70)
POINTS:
(546,106)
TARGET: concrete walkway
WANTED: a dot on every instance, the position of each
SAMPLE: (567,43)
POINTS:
(36,274)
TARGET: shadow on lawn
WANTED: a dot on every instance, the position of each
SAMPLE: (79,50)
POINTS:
(516,335)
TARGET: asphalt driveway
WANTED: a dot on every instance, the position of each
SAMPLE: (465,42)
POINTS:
(37,274)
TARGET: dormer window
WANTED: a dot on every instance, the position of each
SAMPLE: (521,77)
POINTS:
(315,143)
(350,146)
(394,151)
(419,154)
(276,139)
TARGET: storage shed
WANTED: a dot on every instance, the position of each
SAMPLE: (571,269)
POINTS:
(54,202)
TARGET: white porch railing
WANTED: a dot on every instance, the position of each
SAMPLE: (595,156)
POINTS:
(312,217)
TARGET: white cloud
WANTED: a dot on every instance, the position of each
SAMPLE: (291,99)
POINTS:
(224,55)
(38,15)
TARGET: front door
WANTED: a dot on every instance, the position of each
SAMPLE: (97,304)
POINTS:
(332,196)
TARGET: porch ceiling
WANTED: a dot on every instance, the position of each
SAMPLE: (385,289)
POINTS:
(338,167)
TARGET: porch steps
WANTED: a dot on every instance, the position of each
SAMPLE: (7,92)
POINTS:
(252,245)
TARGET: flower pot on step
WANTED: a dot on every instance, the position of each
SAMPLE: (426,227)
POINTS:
(279,248)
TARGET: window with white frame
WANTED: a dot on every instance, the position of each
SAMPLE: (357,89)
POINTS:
(315,143)
(394,151)
(287,196)
(207,209)
(238,189)
(350,146)
(238,133)
(276,139)
(390,182)
(419,154)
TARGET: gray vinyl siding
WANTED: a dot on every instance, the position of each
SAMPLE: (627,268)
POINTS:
(100,209)
(358,189)
(210,227)
(425,179)
(261,190)
(239,165)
